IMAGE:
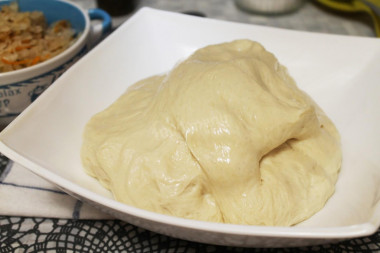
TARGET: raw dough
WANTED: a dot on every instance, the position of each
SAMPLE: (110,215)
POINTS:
(226,136)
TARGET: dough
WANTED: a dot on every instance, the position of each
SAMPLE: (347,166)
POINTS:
(226,136)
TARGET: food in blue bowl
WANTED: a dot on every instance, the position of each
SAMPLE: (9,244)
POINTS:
(38,58)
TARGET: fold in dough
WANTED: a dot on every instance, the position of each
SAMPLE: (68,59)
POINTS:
(226,136)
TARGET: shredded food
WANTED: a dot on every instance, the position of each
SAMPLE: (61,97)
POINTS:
(26,39)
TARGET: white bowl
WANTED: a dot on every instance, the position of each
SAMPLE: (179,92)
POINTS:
(269,7)
(339,72)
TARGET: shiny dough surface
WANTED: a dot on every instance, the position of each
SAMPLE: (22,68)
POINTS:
(225,136)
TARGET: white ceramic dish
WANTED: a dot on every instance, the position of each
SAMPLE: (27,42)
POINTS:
(341,73)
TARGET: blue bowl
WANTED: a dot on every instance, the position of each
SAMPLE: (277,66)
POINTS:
(19,88)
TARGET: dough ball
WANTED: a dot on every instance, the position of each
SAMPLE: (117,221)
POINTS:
(226,136)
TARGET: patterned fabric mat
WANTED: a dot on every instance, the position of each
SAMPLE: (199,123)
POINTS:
(62,235)
(26,194)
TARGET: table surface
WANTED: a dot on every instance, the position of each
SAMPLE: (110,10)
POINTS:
(32,234)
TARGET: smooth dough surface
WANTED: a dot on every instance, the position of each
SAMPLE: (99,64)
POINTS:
(226,136)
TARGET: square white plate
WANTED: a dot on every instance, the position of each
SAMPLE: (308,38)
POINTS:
(341,73)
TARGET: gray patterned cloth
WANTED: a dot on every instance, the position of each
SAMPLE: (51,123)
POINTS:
(19,234)
(69,225)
